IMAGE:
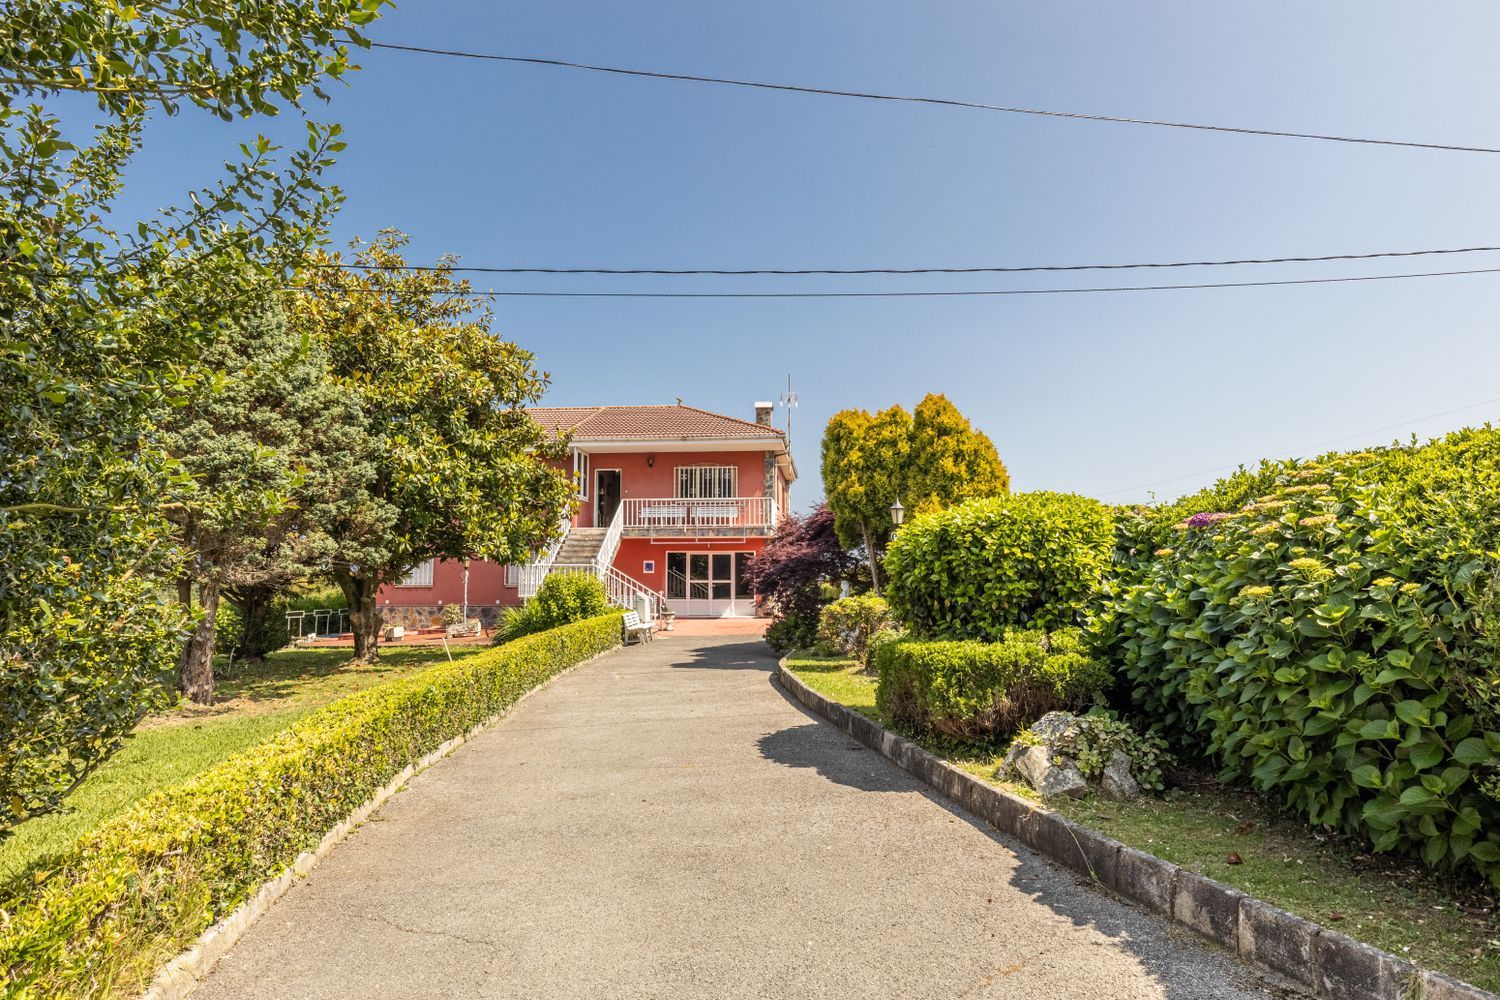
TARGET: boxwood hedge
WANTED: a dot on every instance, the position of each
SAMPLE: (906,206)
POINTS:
(138,890)
(981,690)
(1029,560)
(1337,643)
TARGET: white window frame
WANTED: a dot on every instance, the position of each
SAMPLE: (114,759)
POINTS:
(512,575)
(689,482)
(581,473)
(420,575)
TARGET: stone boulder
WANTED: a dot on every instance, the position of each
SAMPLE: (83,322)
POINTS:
(1043,764)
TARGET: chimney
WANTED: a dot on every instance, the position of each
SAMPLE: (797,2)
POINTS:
(763,413)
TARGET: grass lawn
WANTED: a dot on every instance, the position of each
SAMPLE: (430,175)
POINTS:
(252,703)
(1242,839)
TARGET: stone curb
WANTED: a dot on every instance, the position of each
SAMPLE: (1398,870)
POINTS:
(182,974)
(1324,962)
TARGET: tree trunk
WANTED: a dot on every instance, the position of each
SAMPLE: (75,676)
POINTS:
(196,667)
(185,592)
(364,615)
(870,553)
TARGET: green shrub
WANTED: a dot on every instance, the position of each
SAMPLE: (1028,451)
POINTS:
(453,614)
(141,887)
(976,570)
(982,690)
(792,630)
(229,628)
(562,598)
(1336,643)
(847,625)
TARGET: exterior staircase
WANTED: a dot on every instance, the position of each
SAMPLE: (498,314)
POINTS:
(592,551)
(580,547)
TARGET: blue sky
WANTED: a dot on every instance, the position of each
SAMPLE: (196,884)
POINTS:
(1109,395)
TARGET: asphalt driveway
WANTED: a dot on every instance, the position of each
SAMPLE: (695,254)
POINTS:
(665,823)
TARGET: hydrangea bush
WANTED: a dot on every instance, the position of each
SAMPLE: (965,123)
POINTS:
(1335,643)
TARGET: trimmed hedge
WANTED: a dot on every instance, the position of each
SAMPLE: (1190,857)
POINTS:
(1337,644)
(1031,560)
(138,890)
(983,690)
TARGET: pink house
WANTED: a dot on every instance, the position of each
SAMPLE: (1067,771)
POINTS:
(673,502)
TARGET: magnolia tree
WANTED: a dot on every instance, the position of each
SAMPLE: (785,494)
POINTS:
(100,320)
(460,468)
(928,460)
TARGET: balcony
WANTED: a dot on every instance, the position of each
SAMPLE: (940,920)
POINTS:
(726,517)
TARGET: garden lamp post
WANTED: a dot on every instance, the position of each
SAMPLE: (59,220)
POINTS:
(898,513)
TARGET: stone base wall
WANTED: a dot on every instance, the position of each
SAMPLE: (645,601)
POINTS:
(431,616)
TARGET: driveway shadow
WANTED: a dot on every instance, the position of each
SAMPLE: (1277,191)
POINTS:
(833,755)
(737,653)
(1182,965)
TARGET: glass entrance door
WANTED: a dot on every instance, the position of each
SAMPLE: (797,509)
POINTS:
(709,584)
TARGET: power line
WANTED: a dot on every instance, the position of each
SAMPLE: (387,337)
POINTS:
(1030,268)
(943,101)
(1306,448)
(959,293)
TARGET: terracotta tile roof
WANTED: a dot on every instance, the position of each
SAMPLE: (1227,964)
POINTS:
(644,423)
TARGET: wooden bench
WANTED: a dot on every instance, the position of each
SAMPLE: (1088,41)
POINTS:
(635,627)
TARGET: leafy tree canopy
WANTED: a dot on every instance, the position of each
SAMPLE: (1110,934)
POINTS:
(465,469)
(928,461)
(100,319)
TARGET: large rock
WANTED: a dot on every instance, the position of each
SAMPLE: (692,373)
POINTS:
(1044,766)
(1044,772)
(1117,782)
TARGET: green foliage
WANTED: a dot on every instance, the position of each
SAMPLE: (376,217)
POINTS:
(453,614)
(562,598)
(233,58)
(929,461)
(864,458)
(792,630)
(976,570)
(461,469)
(848,625)
(1335,643)
(272,450)
(229,627)
(146,883)
(1091,740)
(983,690)
(949,461)
(102,316)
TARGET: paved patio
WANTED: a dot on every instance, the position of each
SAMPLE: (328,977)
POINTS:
(665,823)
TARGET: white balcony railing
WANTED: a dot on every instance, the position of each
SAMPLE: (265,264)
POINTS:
(718,516)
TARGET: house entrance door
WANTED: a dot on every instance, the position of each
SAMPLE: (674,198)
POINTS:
(606,496)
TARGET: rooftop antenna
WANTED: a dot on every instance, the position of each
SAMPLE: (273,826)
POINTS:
(789,400)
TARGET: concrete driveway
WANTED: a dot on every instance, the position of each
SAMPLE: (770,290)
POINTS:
(665,823)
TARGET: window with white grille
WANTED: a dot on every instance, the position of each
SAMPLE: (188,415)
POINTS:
(706,481)
(420,576)
(512,575)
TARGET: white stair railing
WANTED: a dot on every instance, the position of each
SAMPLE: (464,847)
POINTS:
(531,575)
(621,590)
(609,546)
